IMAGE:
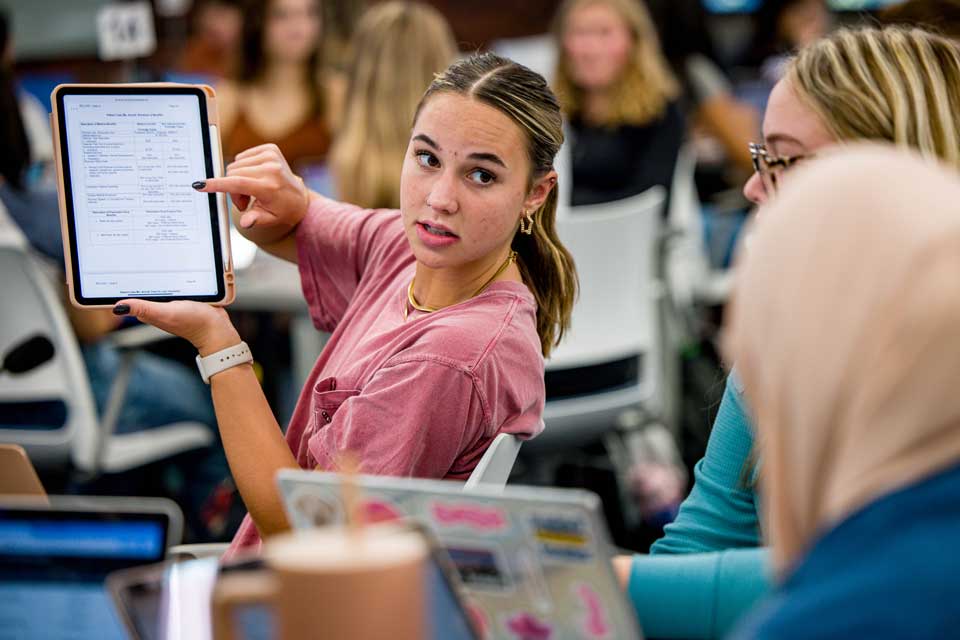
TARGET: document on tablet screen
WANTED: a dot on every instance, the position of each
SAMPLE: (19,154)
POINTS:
(141,230)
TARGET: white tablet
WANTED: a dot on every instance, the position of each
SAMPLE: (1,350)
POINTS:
(133,227)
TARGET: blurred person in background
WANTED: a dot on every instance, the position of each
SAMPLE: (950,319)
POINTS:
(32,131)
(213,48)
(708,96)
(852,380)
(397,50)
(278,96)
(621,103)
(781,28)
(710,552)
(619,97)
(339,22)
(160,390)
(938,16)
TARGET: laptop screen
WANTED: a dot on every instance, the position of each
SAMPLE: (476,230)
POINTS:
(53,564)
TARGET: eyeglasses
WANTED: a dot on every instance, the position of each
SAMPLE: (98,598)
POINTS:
(768,167)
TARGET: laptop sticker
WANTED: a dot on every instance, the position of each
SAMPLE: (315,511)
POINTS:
(562,537)
(466,515)
(594,622)
(479,568)
(526,626)
(316,510)
(378,509)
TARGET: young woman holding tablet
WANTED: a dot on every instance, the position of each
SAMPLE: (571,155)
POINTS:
(441,312)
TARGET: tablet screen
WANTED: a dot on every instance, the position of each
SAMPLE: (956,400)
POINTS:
(137,227)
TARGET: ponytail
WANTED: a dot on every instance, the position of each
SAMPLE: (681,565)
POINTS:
(549,272)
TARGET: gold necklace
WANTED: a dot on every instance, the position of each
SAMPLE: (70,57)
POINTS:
(421,307)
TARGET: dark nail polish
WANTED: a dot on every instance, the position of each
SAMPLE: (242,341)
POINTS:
(199,184)
(121,310)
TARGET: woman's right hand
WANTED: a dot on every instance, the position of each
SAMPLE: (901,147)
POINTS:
(270,199)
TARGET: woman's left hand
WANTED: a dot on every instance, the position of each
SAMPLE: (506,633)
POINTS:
(207,327)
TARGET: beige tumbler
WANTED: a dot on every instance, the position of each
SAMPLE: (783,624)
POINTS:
(333,584)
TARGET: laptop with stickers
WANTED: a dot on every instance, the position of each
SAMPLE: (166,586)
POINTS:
(534,562)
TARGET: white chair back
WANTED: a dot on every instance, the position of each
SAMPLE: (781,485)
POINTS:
(31,306)
(615,321)
(614,248)
(537,53)
(686,267)
(495,466)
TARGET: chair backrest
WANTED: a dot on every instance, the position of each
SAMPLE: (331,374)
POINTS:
(495,466)
(32,306)
(614,247)
(563,165)
(538,53)
(686,263)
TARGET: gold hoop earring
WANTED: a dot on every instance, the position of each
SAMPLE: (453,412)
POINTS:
(526,224)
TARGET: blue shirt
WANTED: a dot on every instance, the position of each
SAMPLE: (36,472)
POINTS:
(887,571)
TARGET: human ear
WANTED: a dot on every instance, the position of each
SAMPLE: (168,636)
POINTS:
(540,190)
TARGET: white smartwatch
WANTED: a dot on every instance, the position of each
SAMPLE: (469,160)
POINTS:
(222,360)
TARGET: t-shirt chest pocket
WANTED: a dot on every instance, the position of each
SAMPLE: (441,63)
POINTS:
(327,399)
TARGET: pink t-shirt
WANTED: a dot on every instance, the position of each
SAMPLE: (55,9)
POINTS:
(422,396)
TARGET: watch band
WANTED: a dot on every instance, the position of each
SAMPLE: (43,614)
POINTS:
(222,360)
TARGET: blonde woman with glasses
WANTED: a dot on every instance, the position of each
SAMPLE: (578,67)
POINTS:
(896,85)
(852,380)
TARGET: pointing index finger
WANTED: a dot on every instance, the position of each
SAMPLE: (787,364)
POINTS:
(239,185)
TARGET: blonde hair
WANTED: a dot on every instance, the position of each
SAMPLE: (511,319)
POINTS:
(896,84)
(522,95)
(397,49)
(647,84)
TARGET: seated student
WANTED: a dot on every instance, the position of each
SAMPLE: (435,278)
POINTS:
(843,326)
(396,50)
(214,44)
(620,97)
(782,27)
(939,16)
(278,96)
(856,84)
(441,312)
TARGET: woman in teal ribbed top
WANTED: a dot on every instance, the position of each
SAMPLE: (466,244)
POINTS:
(708,569)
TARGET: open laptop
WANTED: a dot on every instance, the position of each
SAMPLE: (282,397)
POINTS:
(17,475)
(534,562)
(54,559)
(171,601)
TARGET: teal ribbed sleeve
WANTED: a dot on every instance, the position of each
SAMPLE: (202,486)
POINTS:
(720,512)
(697,595)
(707,570)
